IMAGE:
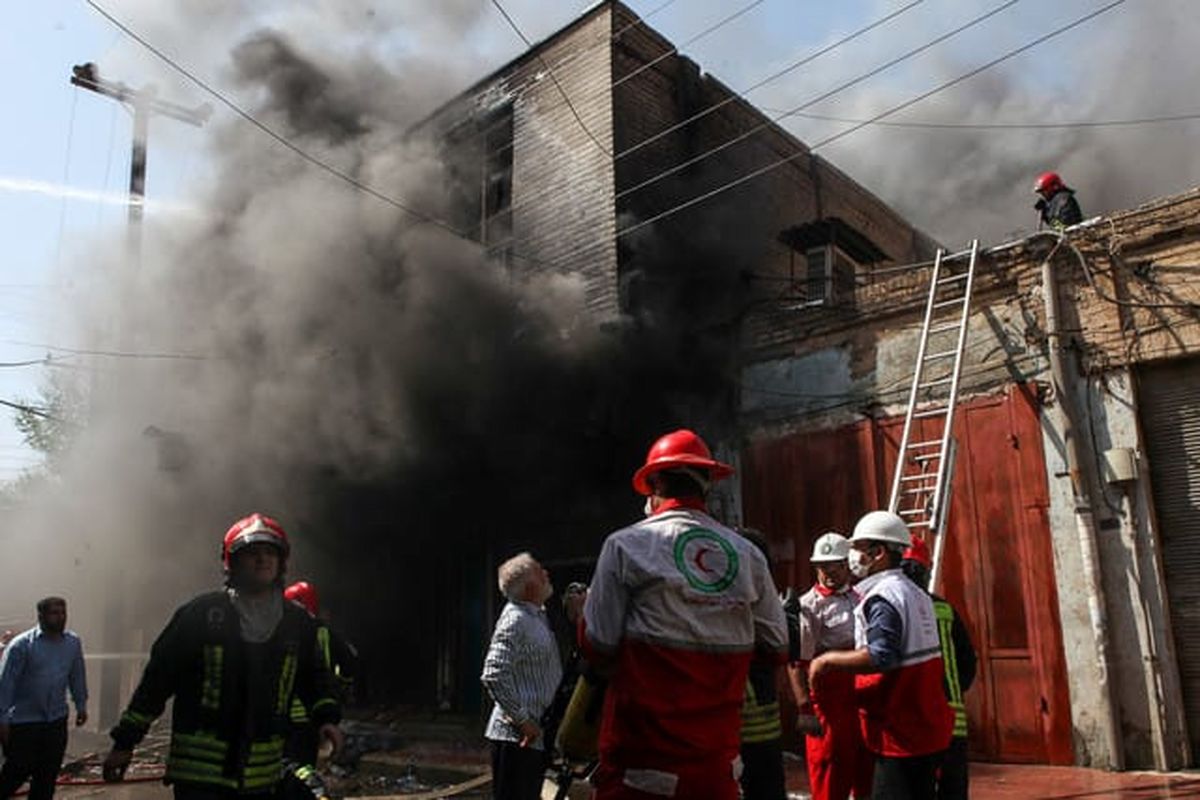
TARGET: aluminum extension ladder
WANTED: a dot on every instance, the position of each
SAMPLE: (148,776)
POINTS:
(921,484)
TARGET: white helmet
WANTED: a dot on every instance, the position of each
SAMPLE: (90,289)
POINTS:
(831,546)
(882,526)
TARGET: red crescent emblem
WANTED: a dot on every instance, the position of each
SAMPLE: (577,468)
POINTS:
(698,559)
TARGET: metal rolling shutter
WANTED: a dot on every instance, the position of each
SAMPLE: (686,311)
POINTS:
(1170,415)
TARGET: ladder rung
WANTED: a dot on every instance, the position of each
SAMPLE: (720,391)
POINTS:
(949,326)
(919,523)
(929,412)
(931,457)
(943,354)
(938,382)
(918,490)
(930,443)
(958,301)
(952,279)
(908,512)
(910,478)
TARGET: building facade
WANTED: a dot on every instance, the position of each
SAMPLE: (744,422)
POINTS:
(1075,573)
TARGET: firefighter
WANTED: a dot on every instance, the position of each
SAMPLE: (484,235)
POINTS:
(959,660)
(677,607)
(340,659)
(232,660)
(1056,204)
(897,663)
(838,760)
(763,775)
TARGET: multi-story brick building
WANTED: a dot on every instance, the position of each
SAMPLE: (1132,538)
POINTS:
(605,154)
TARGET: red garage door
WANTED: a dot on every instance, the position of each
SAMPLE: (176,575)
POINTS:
(998,569)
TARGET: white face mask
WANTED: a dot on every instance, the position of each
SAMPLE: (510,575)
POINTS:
(859,563)
(648,509)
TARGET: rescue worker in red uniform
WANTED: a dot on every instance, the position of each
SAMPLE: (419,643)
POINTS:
(838,760)
(897,664)
(677,607)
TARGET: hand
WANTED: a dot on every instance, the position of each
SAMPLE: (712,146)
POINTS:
(809,725)
(332,734)
(81,718)
(115,765)
(529,732)
(573,606)
(4,734)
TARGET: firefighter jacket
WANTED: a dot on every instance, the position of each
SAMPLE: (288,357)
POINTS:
(232,698)
(760,708)
(340,659)
(1061,210)
(958,658)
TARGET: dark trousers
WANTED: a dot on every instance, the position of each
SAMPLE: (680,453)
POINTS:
(954,780)
(762,771)
(910,778)
(34,753)
(303,743)
(517,772)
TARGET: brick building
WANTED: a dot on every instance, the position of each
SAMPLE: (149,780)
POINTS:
(594,154)
(1099,671)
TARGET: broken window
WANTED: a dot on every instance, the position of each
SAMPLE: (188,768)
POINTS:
(825,259)
(479,165)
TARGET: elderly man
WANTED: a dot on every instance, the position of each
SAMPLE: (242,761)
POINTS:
(897,663)
(521,673)
(677,609)
(38,668)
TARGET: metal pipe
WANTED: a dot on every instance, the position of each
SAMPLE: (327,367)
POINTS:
(1085,524)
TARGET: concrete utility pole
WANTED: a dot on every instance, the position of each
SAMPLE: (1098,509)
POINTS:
(143,103)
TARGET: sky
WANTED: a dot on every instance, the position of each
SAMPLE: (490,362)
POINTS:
(64,153)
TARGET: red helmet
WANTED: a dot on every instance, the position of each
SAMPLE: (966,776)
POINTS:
(1048,183)
(305,594)
(918,551)
(681,448)
(251,529)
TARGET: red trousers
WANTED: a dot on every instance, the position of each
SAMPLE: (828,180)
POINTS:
(838,761)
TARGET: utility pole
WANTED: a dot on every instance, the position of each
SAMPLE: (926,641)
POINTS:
(143,103)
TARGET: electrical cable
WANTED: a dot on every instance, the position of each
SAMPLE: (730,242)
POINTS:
(894,109)
(772,122)
(549,72)
(675,48)
(271,132)
(741,94)
(111,353)
(998,125)
(642,19)
(62,205)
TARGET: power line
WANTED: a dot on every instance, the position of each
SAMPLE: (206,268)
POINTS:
(774,121)
(541,60)
(112,353)
(675,48)
(37,412)
(894,109)
(642,19)
(999,125)
(269,131)
(772,77)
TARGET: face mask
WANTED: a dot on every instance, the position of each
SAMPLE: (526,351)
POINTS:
(648,509)
(859,563)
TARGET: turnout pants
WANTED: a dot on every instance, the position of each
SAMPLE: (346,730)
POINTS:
(762,771)
(704,780)
(953,779)
(34,753)
(838,761)
(906,778)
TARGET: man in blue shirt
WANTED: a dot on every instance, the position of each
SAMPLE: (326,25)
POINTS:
(36,670)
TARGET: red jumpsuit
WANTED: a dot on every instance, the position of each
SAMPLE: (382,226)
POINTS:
(838,760)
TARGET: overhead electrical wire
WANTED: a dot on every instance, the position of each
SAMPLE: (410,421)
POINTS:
(675,48)
(1110,123)
(553,78)
(894,109)
(791,67)
(772,122)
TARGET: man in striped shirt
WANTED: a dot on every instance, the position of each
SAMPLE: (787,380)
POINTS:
(521,673)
